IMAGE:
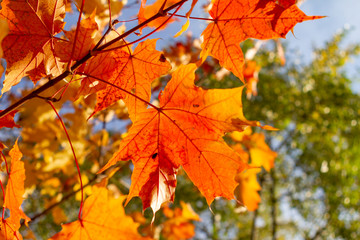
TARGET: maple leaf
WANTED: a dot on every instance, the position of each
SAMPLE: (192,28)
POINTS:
(179,225)
(186,130)
(15,187)
(9,229)
(8,120)
(32,26)
(251,76)
(187,24)
(102,216)
(260,152)
(13,197)
(134,72)
(102,66)
(247,190)
(235,21)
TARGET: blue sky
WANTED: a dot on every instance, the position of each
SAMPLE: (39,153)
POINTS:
(340,15)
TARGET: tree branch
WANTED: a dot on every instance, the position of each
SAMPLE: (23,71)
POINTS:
(273,203)
(92,52)
(66,197)
(256,212)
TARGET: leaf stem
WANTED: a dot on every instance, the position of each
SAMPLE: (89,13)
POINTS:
(197,18)
(75,158)
(121,89)
(6,164)
(45,211)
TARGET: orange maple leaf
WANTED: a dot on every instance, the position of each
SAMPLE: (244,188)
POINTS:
(15,187)
(235,21)
(134,72)
(9,229)
(8,120)
(260,152)
(185,130)
(251,76)
(32,25)
(179,225)
(248,189)
(102,66)
(103,217)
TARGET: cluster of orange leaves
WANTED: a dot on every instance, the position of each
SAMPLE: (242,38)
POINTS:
(185,129)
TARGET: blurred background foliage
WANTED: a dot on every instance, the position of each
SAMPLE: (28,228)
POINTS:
(311,193)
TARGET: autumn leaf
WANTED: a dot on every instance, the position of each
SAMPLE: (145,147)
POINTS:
(15,186)
(9,229)
(186,130)
(134,73)
(260,152)
(8,120)
(187,24)
(102,216)
(178,225)
(235,21)
(32,27)
(251,76)
(102,66)
(247,192)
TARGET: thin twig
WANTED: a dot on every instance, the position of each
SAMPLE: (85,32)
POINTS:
(273,203)
(75,158)
(256,212)
(66,197)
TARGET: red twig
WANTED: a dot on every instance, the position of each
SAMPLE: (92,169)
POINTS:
(198,18)
(75,158)
(121,89)
(7,167)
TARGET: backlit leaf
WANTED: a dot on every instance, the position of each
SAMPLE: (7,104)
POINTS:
(8,120)
(186,130)
(102,217)
(15,187)
(32,25)
(237,20)
(134,73)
